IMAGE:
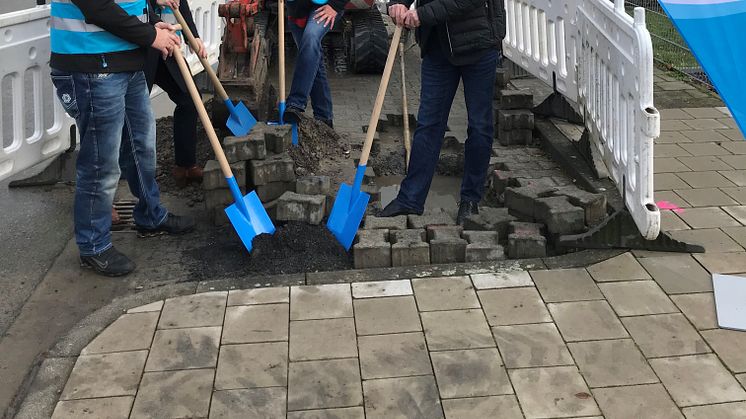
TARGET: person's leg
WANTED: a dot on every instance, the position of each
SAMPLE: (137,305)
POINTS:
(137,156)
(440,81)
(479,85)
(185,118)
(308,41)
(321,95)
(96,101)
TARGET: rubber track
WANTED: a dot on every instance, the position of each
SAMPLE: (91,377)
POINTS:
(370,42)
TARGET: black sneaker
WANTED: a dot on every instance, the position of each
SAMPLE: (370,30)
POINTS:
(110,262)
(465,209)
(292,115)
(394,208)
(173,225)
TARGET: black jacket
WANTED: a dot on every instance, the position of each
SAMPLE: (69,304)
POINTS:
(303,8)
(154,58)
(464,28)
(110,17)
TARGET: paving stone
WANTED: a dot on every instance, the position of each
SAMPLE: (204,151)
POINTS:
(198,310)
(622,267)
(213,177)
(698,308)
(586,320)
(484,252)
(724,411)
(559,215)
(219,199)
(156,306)
(249,403)
(386,223)
(371,254)
(259,296)
(174,394)
(324,384)
(707,197)
(313,185)
(606,363)
(341,413)
(507,279)
(742,379)
(402,398)
(671,222)
(510,306)
(634,298)
(457,329)
(442,232)
(706,149)
(678,274)
(737,212)
(516,99)
(738,194)
(665,335)
(377,235)
(705,136)
(669,165)
(503,407)
(515,119)
(309,209)
(409,248)
(737,233)
(320,302)
(244,148)
(105,375)
(713,240)
(447,293)
(130,332)
(258,323)
(649,400)
(736,162)
(104,408)
(322,339)
(668,181)
(490,219)
(669,114)
(428,219)
(377,316)
(252,365)
(522,245)
(566,285)
(703,112)
(531,345)
(180,349)
(279,138)
(273,190)
(553,392)
(515,137)
(670,150)
(728,345)
(449,250)
(683,378)
(276,168)
(593,204)
(522,200)
(381,289)
(399,355)
(723,263)
(470,373)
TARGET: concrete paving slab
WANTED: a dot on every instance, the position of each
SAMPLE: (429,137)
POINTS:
(470,373)
(671,222)
(256,323)
(737,193)
(635,298)
(725,410)
(456,329)
(377,316)
(104,408)
(156,306)
(729,346)
(607,363)
(532,345)
(180,349)
(402,398)
(708,179)
(343,413)
(698,308)
(678,274)
(736,233)
(123,371)
(706,197)
(553,392)
(738,177)
(665,335)
(650,400)
(174,394)
(198,310)
(586,320)
(504,407)
(723,263)
(320,302)
(258,296)
(324,384)
(397,355)
(507,279)
(513,306)
(566,285)
(249,403)
(322,339)
(708,217)
(714,240)
(452,293)
(130,332)
(381,289)
(622,267)
(737,212)
(668,181)
(252,366)
(683,378)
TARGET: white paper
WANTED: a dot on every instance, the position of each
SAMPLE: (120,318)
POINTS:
(730,301)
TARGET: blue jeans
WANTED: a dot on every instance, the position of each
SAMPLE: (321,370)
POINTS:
(309,78)
(440,80)
(117,136)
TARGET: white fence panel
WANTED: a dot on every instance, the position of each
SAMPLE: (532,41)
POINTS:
(33,125)
(615,85)
(540,38)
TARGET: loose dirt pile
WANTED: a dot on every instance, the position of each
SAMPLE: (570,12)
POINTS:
(320,147)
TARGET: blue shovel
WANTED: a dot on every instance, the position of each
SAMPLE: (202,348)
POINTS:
(350,203)
(247,214)
(240,121)
(281,65)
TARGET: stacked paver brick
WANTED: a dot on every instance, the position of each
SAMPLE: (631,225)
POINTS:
(514,120)
(260,162)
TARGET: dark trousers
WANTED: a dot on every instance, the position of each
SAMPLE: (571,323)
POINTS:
(440,80)
(185,117)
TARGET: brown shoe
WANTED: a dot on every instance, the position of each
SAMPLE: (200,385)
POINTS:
(185,175)
(115,218)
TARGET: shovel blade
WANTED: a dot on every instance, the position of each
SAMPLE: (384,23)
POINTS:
(347,213)
(254,223)
(240,121)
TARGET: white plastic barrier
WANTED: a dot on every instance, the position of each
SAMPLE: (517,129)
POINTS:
(33,125)
(540,38)
(615,86)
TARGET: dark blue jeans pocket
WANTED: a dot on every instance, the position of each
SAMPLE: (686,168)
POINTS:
(65,87)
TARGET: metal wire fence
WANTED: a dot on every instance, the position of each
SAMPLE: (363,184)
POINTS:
(669,49)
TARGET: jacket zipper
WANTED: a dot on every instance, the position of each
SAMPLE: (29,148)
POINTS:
(103,60)
(448,34)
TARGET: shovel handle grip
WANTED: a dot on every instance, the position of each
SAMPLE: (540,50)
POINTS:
(281,47)
(202,112)
(205,64)
(405,108)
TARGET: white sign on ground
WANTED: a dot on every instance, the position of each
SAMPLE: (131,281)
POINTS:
(730,301)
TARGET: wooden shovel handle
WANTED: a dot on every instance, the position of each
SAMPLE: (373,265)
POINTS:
(373,124)
(405,108)
(205,64)
(281,46)
(197,99)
